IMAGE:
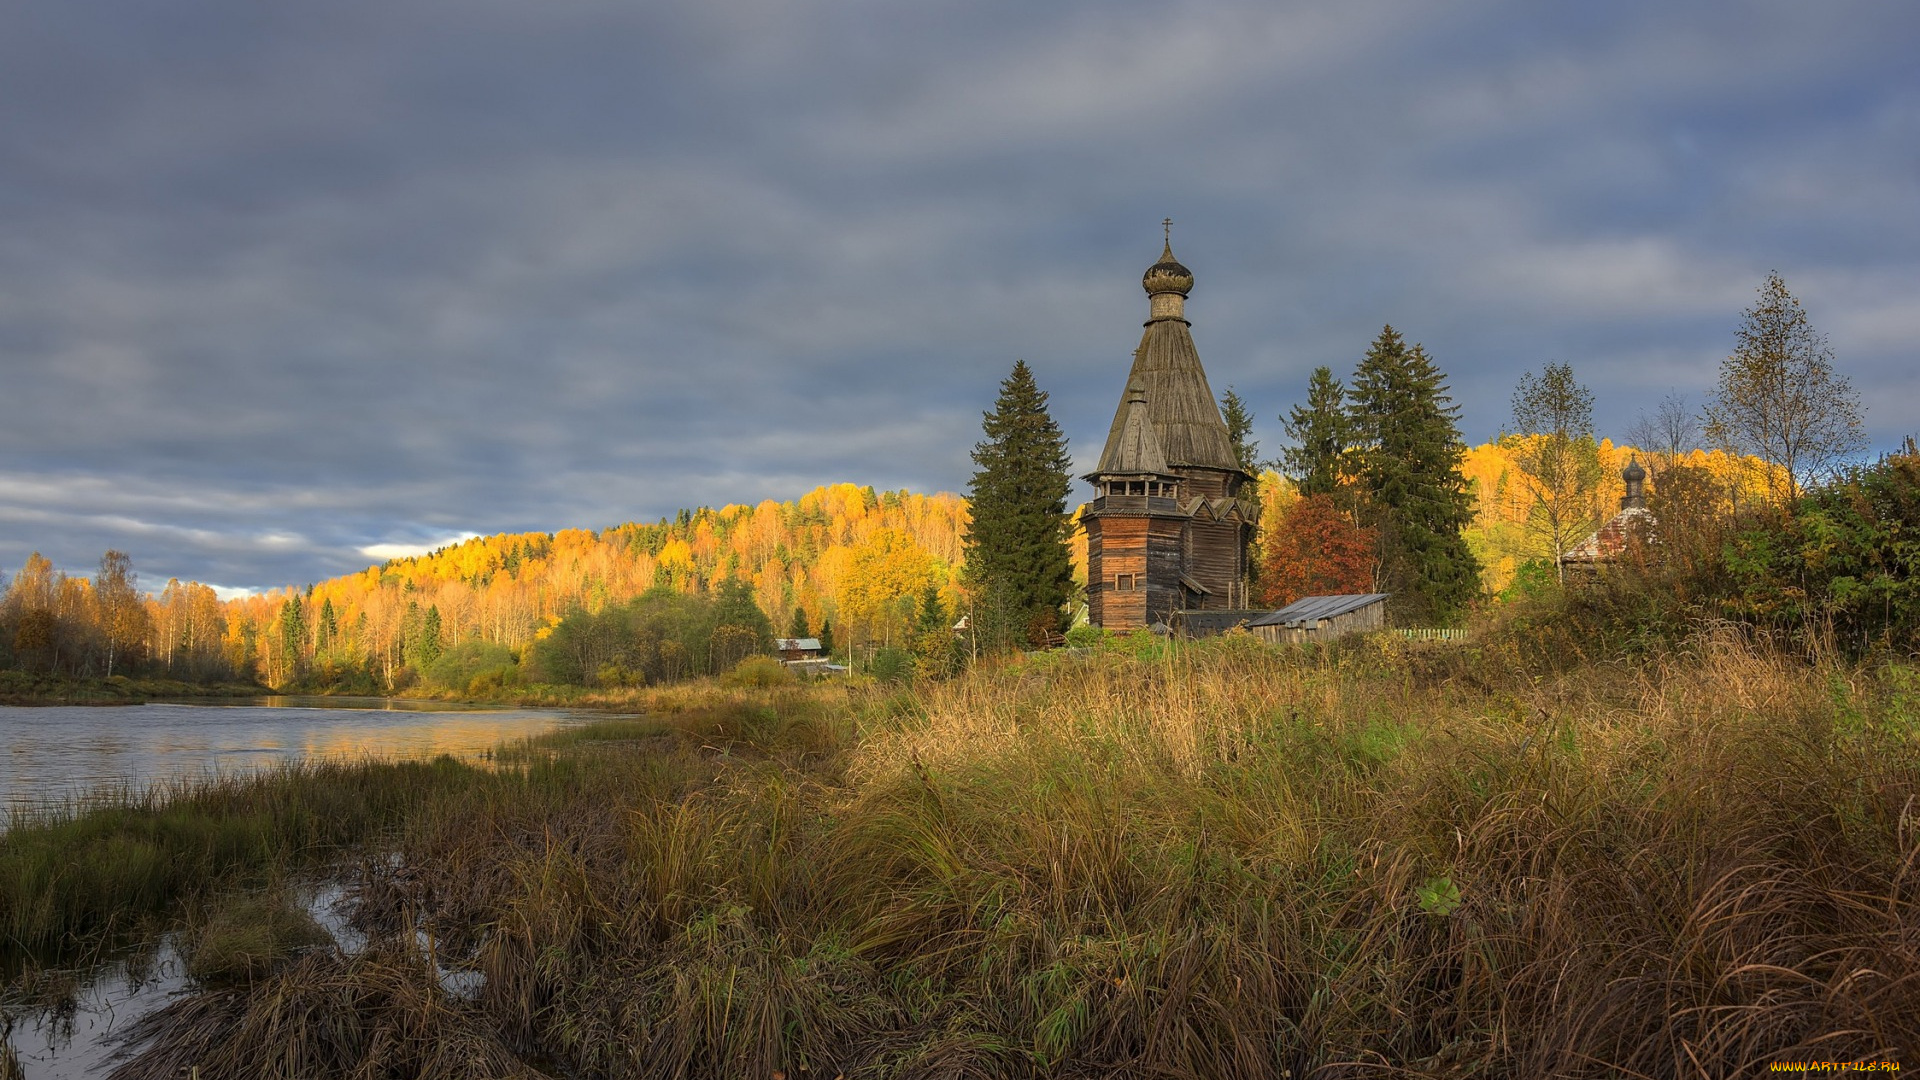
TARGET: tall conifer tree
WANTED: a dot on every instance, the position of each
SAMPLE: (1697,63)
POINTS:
(1409,469)
(1239,420)
(1322,432)
(1246,451)
(1018,568)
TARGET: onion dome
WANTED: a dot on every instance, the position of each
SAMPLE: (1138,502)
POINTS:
(1636,478)
(1167,275)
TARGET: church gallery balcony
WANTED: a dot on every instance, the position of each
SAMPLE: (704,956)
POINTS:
(1136,496)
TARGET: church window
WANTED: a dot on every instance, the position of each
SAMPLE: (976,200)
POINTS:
(1124,583)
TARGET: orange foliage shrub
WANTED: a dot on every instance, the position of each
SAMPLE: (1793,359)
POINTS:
(1315,550)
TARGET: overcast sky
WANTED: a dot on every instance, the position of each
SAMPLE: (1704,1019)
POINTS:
(285,288)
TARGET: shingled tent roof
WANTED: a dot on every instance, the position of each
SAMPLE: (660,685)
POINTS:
(1179,403)
(1135,449)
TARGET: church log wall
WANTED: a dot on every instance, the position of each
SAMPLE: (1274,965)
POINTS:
(1165,554)
(1117,547)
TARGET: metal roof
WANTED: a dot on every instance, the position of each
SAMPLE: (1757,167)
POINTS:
(796,644)
(1311,609)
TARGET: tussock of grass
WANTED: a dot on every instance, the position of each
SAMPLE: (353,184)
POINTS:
(248,935)
(1218,861)
(381,1014)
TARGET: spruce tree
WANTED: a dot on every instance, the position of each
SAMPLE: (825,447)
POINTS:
(427,650)
(1018,566)
(1415,496)
(1246,451)
(1321,433)
(1239,426)
(933,611)
(293,637)
(734,605)
(327,628)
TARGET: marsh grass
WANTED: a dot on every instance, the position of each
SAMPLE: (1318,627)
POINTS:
(1226,860)
(80,878)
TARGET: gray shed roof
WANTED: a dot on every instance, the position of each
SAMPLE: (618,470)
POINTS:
(1311,609)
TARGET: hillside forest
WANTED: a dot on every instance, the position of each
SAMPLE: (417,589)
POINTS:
(639,603)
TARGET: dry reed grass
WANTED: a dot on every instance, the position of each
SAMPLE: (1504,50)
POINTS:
(1374,860)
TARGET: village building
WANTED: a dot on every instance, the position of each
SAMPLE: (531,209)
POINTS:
(1607,544)
(1322,618)
(804,656)
(1167,530)
(793,649)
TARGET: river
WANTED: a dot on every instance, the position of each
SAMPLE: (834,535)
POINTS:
(56,754)
(62,754)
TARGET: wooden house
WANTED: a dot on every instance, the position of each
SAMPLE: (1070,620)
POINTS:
(1322,618)
(792,649)
(1167,530)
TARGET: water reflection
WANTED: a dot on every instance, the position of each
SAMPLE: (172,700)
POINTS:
(59,753)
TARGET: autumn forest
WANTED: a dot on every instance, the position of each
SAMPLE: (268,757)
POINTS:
(869,569)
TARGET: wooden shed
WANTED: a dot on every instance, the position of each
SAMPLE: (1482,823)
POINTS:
(1323,618)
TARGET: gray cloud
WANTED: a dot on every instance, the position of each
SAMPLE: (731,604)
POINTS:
(278,285)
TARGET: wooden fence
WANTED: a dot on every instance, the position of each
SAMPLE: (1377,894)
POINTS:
(1433,635)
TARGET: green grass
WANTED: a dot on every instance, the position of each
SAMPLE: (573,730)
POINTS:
(1216,861)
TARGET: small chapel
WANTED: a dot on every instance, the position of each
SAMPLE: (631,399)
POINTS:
(1167,530)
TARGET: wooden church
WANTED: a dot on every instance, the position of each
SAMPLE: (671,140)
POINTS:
(1167,529)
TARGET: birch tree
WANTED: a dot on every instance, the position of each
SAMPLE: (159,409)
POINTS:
(1556,455)
(1779,398)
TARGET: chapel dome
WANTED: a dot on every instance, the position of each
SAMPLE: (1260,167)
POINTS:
(1167,275)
